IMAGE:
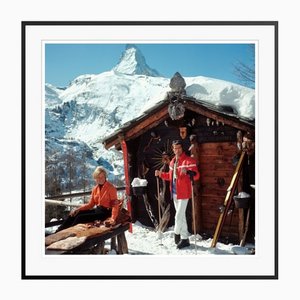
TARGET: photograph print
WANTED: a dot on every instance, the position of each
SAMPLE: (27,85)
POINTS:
(152,147)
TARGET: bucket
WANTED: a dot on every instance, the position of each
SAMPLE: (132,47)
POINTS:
(139,186)
(241,200)
(139,190)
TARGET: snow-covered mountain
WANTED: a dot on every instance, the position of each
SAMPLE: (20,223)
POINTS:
(133,62)
(93,106)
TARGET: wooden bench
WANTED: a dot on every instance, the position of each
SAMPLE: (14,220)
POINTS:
(94,244)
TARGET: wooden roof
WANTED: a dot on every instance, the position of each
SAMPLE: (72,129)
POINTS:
(158,113)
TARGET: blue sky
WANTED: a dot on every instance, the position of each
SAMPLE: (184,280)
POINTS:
(64,62)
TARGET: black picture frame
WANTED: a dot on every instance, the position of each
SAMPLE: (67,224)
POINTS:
(28,29)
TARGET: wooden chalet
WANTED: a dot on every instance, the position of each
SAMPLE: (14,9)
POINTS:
(218,136)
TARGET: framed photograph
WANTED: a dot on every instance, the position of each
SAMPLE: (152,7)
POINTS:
(149,78)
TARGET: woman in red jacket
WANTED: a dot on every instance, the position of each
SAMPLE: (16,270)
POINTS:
(103,204)
(181,190)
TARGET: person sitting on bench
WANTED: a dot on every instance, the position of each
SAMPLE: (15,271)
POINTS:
(103,205)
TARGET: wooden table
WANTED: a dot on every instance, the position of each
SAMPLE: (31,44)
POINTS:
(95,244)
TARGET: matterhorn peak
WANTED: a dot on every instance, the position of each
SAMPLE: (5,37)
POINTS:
(133,62)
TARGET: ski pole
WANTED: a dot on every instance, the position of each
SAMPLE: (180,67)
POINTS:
(192,174)
(159,213)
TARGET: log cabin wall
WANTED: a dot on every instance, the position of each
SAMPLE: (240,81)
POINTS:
(217,145)
(216,173)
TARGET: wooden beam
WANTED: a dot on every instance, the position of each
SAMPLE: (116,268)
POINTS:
(147,124)
(228,120)
(80,194)
(61,203)
(141,126)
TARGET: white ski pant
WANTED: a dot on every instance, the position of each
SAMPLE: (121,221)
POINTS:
(180,218)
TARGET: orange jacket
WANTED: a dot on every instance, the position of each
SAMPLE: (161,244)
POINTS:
(105,196)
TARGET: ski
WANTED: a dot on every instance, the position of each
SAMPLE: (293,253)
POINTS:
(228,199)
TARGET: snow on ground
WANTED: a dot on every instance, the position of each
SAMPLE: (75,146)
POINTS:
(143,240)
(146,241)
